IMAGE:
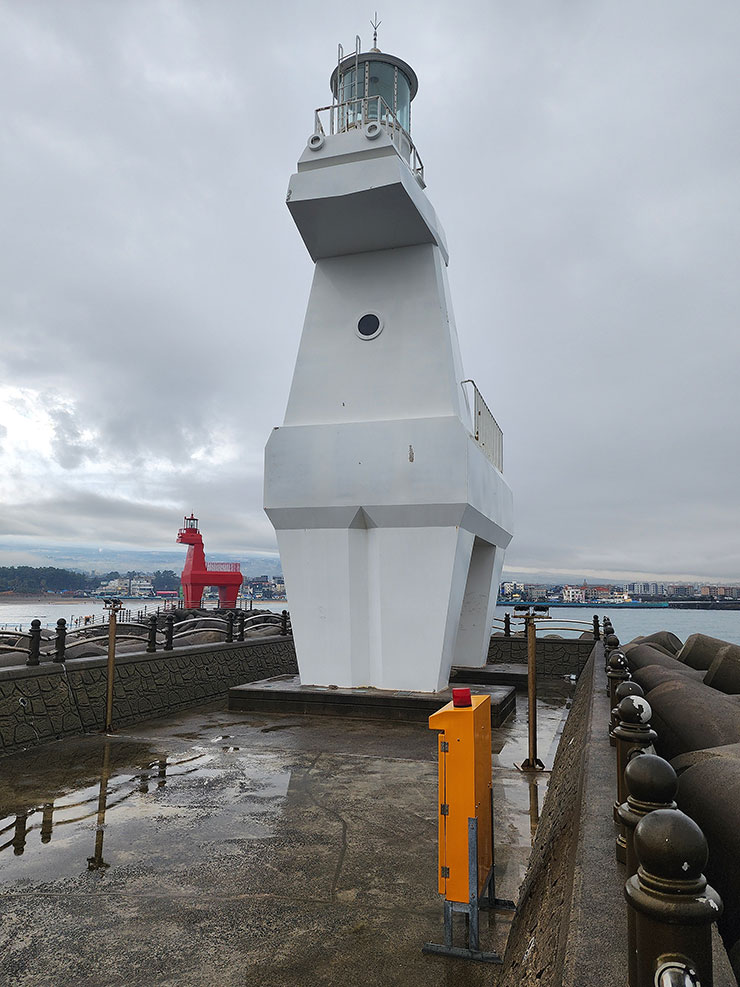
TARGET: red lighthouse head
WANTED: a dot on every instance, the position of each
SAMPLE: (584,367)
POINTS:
(188,533)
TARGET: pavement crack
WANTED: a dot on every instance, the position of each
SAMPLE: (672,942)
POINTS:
(335,815)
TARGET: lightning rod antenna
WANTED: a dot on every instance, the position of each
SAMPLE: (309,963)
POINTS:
(375,24)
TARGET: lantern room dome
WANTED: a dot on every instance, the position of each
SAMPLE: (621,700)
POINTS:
(372,74)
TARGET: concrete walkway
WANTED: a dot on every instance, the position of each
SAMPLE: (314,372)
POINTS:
(243,849)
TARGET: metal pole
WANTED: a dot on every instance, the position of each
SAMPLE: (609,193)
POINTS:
(532,763)
(96,862)
(532,687)
(113,606)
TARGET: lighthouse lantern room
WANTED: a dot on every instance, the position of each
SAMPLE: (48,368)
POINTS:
(384,484)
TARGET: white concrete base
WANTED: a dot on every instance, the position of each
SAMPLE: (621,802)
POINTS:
(380,606)
(396,580)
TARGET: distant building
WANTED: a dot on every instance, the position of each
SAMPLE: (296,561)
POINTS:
(574,594)
(113,587)
(141,586)
(509,589)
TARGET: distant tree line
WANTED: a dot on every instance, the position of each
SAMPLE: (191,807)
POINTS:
(33,579)
(165,579)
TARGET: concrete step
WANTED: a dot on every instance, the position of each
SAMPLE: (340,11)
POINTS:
(285,694)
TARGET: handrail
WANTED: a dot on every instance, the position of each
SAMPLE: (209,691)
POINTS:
(586,623)
(195,620)
(486,430)
(100,637)
(121,623)
(356,112)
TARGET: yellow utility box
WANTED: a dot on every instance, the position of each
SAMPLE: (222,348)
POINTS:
(466,875)
(464,793)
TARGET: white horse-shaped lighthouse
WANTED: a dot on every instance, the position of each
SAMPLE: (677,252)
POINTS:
(386,492)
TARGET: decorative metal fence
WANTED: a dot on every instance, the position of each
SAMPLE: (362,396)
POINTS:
(40,644)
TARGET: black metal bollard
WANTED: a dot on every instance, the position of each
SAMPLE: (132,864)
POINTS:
(19,834)
(240,627)
(169,631)
(633,735)
(611,643)
(229,627)
(624,689)
(34,646)
(61,641)
(651,784)
(47,822)
(507,625)
(672,904)
(597,633)
(618,672)
(284,624)
(151,644)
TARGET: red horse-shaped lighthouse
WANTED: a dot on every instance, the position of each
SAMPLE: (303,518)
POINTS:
(196,575)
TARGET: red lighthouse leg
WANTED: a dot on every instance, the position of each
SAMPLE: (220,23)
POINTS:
(193,594)
(227,597)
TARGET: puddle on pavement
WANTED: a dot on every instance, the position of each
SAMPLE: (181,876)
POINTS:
(136,815)
(135,812)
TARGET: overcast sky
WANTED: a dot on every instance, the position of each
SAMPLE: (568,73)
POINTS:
(583,156)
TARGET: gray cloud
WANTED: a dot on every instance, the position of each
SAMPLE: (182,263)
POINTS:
(583,157)
(68,445)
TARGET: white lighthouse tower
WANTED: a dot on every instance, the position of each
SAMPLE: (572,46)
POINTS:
(383,484)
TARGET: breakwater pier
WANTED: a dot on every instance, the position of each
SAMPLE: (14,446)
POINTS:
(260,847)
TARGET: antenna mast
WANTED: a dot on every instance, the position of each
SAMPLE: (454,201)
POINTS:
(375,24)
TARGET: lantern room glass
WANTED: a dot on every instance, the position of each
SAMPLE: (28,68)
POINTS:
(381,79)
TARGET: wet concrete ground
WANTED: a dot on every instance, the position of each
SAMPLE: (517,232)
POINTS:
(243,849)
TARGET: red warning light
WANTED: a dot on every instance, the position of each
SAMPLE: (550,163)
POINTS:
(461,697)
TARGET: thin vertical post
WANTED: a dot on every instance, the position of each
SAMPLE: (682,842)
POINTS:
(284,623)
(532,687)
(473,912)
(96,862)
(111,665)
(532,762)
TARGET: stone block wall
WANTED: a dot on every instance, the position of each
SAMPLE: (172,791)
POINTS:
(54,700)
(566,656)
(536,947)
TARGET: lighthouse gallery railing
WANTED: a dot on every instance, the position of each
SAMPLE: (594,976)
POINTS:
(341,117)
(486,430)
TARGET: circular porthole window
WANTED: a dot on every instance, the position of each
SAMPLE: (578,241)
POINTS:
(369,326)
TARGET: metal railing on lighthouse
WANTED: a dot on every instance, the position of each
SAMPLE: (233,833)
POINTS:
(486,430)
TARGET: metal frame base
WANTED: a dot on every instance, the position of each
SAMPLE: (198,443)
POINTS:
(527,765)
(471,908)
(460,953)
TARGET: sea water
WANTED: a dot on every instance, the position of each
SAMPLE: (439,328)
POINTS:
(628,623)
(18,616)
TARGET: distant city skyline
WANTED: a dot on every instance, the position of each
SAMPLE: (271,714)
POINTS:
(107,558)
